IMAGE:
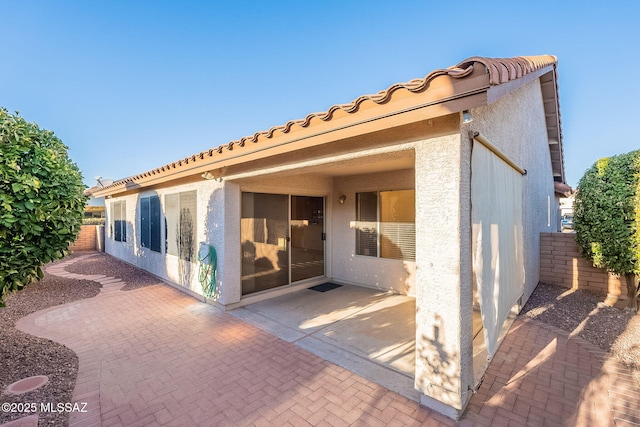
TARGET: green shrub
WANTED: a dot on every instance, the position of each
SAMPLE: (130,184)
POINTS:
(607,217)
(41,201)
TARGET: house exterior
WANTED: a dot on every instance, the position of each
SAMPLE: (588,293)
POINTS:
(437,188)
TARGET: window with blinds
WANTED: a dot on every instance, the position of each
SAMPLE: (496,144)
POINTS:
(367,220)
(119,221)
(181,225)
(386,224)
(150,223)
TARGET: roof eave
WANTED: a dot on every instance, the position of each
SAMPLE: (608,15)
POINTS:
(441,92)
(448,99)
(548,82)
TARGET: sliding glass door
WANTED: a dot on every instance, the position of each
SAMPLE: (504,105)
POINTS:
(264,231)
(307,237)
(282,240)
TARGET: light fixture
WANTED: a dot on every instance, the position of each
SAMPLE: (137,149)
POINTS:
(466,116)
(208,175)
(342,199)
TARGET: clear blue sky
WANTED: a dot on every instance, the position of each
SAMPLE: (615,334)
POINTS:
(133,85)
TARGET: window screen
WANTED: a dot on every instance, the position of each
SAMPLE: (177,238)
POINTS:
(180,223)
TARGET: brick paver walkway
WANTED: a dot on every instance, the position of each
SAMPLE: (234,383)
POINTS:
(542,377)
(155,356)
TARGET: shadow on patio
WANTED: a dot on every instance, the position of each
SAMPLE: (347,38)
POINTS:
(369,332)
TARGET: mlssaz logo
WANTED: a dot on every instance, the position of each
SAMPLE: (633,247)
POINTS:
(63,407)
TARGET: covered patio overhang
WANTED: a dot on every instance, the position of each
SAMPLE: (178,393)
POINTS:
(334,178)
(364,325)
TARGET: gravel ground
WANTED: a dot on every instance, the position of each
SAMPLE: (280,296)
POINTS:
(24,355)
(582,313)
(102,263)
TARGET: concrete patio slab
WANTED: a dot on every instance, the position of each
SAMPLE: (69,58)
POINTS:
(366,331)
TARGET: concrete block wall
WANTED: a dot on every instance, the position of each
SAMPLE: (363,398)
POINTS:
(90,238)
(561,264)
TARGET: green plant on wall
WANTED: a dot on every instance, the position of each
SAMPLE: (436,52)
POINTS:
(607,218)
(41,201)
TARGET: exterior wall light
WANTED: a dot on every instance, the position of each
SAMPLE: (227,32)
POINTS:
(466,116)
(342,199)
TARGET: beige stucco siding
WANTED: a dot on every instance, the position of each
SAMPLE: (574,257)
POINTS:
(443,276)
(212,227)
(376,272)
(444,350)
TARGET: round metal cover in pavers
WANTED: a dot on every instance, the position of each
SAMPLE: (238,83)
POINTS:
(26,385)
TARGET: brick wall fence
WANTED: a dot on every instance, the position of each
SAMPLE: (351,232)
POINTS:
(91,238)
(562,265)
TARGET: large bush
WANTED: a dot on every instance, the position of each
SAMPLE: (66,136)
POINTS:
(41,201)
(607,217)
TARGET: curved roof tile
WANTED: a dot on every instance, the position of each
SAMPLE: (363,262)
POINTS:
(500,70)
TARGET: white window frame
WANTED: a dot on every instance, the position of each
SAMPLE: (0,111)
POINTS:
(119,213)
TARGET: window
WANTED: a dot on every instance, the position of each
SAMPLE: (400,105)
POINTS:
(119,221)
(180,223)
(386,224)
(367,217)
(150,223)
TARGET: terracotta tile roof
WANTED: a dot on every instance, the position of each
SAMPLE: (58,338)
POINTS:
(500,70)
(562,188)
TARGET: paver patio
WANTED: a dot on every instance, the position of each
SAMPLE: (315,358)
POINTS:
(155,356)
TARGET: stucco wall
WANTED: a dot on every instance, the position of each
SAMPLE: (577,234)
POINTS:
(443,277)
(218,224)
(375,272)
(209,229)
(224,229)
(444,294)
(516,125)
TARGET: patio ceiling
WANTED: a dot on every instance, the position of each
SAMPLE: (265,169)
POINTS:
(363,166)
(340,166)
